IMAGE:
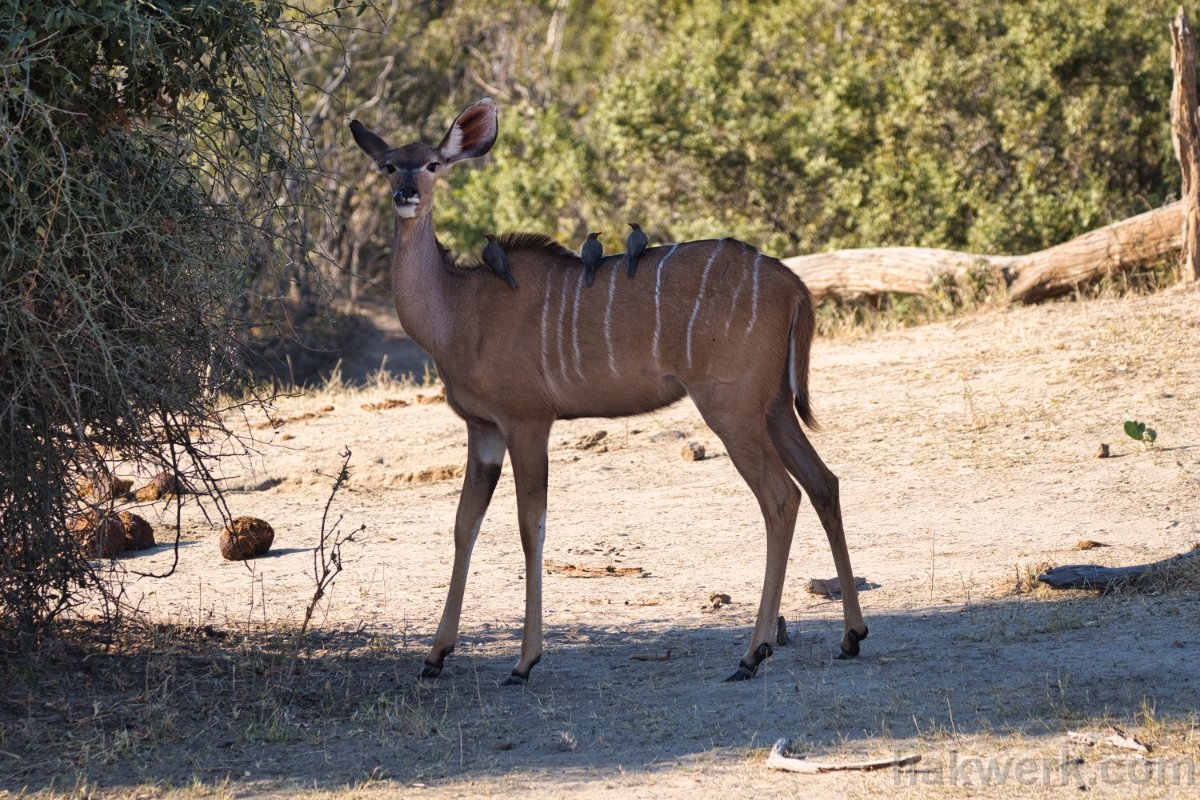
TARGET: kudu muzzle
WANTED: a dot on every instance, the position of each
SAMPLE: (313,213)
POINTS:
(405,198)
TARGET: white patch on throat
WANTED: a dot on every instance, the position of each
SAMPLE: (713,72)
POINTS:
(406,210)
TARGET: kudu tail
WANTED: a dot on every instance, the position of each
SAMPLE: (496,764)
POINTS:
(800,338)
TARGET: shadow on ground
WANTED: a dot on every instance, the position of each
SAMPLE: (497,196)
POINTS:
(171,705)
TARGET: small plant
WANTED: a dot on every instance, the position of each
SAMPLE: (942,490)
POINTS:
(327,557)
(1138,430)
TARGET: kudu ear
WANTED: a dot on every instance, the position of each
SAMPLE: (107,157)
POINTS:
(472,134)
(371,144)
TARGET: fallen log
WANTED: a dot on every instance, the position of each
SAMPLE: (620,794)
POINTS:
(844,274)
(1090,576)
(777,760)
(1115,248)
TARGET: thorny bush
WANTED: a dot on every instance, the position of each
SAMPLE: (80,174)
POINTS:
(150,172)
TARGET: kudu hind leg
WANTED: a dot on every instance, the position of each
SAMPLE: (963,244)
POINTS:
(485,458)
(814,477)
(779,501)
(755,458)
(531,471)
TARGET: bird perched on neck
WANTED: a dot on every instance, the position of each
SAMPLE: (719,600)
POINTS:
(635,245)
(493,256)
(590,255)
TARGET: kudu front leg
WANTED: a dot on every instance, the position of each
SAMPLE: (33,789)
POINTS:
(531,470)
(485,458)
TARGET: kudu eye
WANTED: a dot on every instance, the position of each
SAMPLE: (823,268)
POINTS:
(390,169)
(433,165)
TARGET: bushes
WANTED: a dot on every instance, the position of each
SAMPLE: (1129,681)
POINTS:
(143,151)
(803,125)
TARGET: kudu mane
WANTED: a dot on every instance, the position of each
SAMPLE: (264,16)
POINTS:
(512,244)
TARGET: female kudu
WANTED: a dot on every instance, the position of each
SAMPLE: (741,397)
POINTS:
(715,320)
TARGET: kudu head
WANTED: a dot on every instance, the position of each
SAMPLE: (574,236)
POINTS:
(412,169)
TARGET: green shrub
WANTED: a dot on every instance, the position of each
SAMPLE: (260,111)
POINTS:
(143,149)
(801,125)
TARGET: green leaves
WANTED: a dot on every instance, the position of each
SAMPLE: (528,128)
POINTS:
(802,125)
(1138,430)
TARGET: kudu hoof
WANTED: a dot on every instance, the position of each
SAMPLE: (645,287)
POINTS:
(746,671)
(432,669)
(518,678)
(855,637)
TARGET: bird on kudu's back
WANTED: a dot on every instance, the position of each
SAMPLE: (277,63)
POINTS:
(493,256)
(590,255)
(635,245)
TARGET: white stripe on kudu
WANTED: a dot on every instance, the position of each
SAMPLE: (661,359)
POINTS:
(658,297)
(562,313)
(612,288)
(545,314)
(700,297)
(575,328)
(754,297)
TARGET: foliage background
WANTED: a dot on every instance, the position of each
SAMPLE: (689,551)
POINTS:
(152,181)
(801,125)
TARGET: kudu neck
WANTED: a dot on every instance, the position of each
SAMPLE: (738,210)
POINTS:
(419,284)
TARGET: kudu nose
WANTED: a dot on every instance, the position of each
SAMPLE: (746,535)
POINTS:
(402,196)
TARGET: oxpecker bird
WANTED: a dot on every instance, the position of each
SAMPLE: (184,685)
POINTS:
(590,254)
(635,245)
(493,256)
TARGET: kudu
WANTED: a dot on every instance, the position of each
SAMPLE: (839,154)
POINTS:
(715,320)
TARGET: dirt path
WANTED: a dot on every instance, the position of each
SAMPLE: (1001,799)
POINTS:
(966,453)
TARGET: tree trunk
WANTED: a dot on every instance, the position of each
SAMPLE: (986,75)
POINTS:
(1057,270)
(1185,135)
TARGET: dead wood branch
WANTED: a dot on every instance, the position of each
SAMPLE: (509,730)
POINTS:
(831,587)
(1118,738)
(777,760)
(1090,576)
(1115,248)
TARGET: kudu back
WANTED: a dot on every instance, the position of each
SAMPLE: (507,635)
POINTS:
(714,320)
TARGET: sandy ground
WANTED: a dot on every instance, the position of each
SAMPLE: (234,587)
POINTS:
(966,453)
